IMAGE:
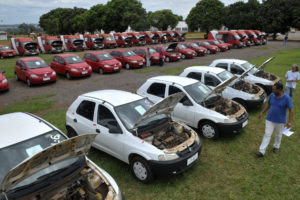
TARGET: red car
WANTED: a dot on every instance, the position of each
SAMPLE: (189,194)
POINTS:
(6,51)
(170,36)
(93,42)
(4,86)
(102,62)
(161,36)
(260,36)
(50,44)
(128,58)
(200,51)
(154,58)
(137,38)
(123,39)
(109,42)
(180,36)
(70,65)
(149,38)
(244,37)
(185,52)
(253,37)
(211,49)
(72,42)
(34,71)
(24,46)
(222,47)
(230,46)
(170,54)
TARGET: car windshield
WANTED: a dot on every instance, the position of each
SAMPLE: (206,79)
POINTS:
(247,66)
(128,53)
(4,48)
(198,91)
(216,42)
(109,39)
(225,75)
(194,45)
(181,46)
(73,59)
(205,43)
(131,112)
(16,153)
(236,36)
(104,57)
(34,64)
(152,50)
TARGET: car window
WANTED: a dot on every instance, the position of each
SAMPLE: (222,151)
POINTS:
(113,53)
(106,118)
(232,37)
(195,75)
(236,69)
(87,56)
(61,61)
(86,109)
(119,54)
(55,59)
(157,89)
(94,58)
(222,65)
(174,90)
(211,80)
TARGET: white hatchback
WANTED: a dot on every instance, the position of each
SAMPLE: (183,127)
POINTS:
(134,130)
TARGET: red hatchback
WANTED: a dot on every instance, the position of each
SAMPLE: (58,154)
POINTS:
(4,86)
(102,62)
(200,51)
(185,52)
(154,58)
(128,58)
(210,48)
(70,65)
(6,52)
(222,47)
(170,54)
(34,71)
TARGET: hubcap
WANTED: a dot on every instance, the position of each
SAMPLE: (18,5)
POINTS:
(183,56)
(140,170)
(208,131)
(208,52)
(127,66)
(28,82)
(168,59)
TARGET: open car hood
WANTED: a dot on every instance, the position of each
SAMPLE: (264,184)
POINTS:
(74,147)
(246,72)
(172,46)
(30,45)
(262,66)
(219,89)
(165,106)
(57,43)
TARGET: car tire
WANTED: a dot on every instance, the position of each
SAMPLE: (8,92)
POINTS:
(235,46)
(208,52)
(17,78)
(68,76)
(141,169)
(28,82)
(101,70)
(127,66)
(167,59)
(1,57)
(209,130)
(183,56)
(71,132)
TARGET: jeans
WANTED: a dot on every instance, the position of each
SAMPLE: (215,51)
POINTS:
(289,91)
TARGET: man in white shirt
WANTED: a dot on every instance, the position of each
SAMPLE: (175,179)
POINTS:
(292,77)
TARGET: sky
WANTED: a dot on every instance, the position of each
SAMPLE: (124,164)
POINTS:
(29,11)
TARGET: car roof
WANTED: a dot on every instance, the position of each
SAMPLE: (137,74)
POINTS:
(18,127)
(114,97)
(230,60)
(215,70)
(97,52)
(66,55)
(30,58)
(183,81)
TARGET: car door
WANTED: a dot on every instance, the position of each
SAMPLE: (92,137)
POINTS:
(184,110)
(110,137)
(236,70)
(61,66)
(156,92)
(86,58)
(54,63)
(121,58)
(94,62)
(23,71)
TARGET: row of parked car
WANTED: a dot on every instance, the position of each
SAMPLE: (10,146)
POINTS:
(152,131)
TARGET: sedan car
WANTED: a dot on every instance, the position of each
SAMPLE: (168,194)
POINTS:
(135,131)
(70,65)
(42,163)
(223,47)
(4,85)
(128,58)
(34,70)
(6,52)
(185,52)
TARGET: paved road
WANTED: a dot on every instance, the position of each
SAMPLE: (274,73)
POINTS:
(67,90)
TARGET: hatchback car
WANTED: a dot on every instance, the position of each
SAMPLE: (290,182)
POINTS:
(42,163)
(170,54)
(6,52)
(201,108)
(200,51)
(102,62)
(4,85)
(128,58)
(34,70)
(70,65)
(185,52)
(222,46)
(211,49)
(154,58)
(132,129)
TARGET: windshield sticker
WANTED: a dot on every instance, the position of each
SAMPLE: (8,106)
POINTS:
(38,63)
(106,55)
(34,150)
(75,58)
(55,138)
(140,109)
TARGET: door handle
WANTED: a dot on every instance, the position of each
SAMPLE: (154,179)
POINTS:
(97,130)
(75,120)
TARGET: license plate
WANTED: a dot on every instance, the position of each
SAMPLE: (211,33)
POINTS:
(245,123)
(46,79)
(84,72)
(192,159)
(116,68)
(141,63)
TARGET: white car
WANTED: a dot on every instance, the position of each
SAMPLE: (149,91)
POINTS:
(132,129)
(247,94)
(256,76)
(40,162)
(201,108)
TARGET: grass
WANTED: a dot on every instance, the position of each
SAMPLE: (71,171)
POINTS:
(227,168)
(45,96)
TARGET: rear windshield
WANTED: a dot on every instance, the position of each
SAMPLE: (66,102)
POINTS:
(104,57)
(34,64)
(73,59)
(4,48)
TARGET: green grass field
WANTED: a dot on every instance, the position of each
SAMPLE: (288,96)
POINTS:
(227,168)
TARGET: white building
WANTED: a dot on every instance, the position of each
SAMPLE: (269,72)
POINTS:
(182,26)
(3,35)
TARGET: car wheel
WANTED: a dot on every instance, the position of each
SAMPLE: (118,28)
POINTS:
(17,78)
(167,59)
(127,66)
(141,170)
(101,70)
(183,56)
(68,75)
(28,82)
(197,54)
(235,46)
(209,130)
(208,52)
(1,57)
(71,132)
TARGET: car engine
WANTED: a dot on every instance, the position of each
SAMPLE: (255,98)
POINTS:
(266,75)
(224,106)
(246,87)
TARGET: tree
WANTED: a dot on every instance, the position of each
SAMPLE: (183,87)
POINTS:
(162,19)
(95,18)
(206,15)
(27,28)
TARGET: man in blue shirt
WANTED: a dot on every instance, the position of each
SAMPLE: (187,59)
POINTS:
(277,105)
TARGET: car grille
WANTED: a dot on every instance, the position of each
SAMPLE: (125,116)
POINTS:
(187,150)
(242,117)
(44,74)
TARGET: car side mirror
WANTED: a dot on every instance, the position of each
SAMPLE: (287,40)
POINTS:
(114,130)
(187,102)
(3,71)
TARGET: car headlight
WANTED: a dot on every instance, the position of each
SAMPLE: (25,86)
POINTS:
(156,57)
(167,156)
(74,70)
(118,195)
(230,120)
(90,67)
(4,80)
(134,61)
(53,73)
(255,97)
(33,76)
(106,66)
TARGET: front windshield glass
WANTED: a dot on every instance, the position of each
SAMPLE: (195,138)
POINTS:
(247,66)
(205,43)
(73,59)
(152,51)
(181,46)
(194,45)
(131,112)
(16,153)
(104,57)
(128,53)
(237,36)
(198,91)
(4,48)
(109,39)
(225,75)
(34,64)
(216,42)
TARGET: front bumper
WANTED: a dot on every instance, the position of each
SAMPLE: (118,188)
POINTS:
(57,51)
(111,69)
(8,55)
(137,64)
(252,104)
(31,53)
(41,80)
(177,166)
(236,127)
(81,73)
(4,86)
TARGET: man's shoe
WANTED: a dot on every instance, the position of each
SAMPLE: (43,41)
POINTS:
(276,150)
(259,154)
